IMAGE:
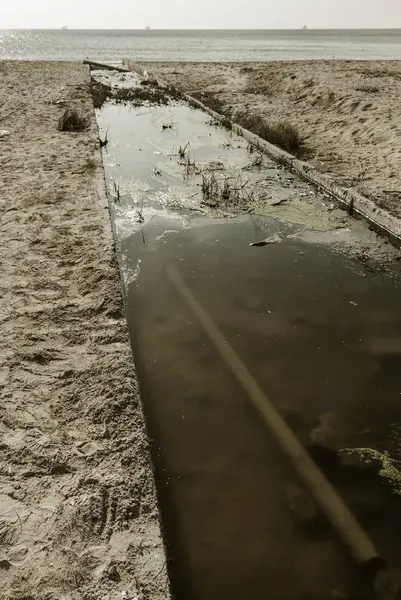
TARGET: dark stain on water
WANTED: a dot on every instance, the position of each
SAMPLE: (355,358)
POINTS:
(309,326)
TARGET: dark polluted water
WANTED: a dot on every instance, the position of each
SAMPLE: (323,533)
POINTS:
(318,332)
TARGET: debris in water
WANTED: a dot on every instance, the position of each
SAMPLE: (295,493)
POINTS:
(274,239)
(103,143)
(183,151)
(278,202)
(214,165)
(165,233)
(4,133)
(116,190)
(256,162)
(139,218)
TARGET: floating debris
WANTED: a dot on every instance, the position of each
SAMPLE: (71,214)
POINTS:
(274,239)
(278,202)
(258,244)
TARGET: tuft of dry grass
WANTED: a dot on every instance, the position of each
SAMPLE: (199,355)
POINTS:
(222,191)
(146,93)
(100,93)
(225,122)
(210,189)
(149,91)
(210,100)
(191,167)
(282,134)
(183,151)
(116,192)
(73,120)
(104,142)
(150,82)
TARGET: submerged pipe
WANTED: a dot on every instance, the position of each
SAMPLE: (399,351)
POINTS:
(333,506)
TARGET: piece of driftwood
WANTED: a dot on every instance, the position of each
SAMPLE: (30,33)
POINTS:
(103,66)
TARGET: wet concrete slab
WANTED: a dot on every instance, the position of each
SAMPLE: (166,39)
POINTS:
(303,312)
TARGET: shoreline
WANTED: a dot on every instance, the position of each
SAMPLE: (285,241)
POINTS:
(78,508)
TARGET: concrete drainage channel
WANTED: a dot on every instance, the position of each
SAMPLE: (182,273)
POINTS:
(350,200)
(217,324)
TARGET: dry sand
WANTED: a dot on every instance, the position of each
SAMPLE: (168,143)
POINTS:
(347,111)
(78,511)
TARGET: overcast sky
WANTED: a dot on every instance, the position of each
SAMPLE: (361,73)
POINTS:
(217,14)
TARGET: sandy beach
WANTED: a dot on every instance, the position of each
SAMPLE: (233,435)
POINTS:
(346,111)
(79,518)
(78,511)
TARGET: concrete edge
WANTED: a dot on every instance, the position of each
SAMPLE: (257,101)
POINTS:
(104,66)
(348,198)
(106,204)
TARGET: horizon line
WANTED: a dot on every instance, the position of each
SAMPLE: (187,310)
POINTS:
(66,27)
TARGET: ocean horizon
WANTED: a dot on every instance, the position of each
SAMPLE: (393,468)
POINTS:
(209,45)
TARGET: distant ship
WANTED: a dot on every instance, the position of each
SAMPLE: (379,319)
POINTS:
(147,27)
(64,27)
(305,27)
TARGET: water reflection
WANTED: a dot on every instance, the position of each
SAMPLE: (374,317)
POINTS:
(305,321)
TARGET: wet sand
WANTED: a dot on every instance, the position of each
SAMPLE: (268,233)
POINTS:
(347,111)
(78,511)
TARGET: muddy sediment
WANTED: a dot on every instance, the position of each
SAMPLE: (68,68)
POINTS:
(78,511)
